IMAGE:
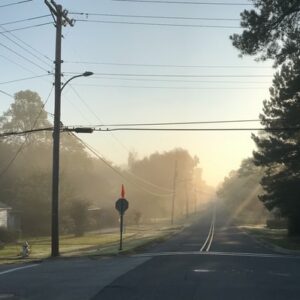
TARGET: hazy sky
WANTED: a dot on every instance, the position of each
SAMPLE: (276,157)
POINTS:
(216,92)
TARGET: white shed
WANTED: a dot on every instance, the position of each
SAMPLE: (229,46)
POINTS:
(4,215)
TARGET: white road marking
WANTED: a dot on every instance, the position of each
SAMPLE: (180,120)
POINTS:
(207,244)
(203,271)
(17,269)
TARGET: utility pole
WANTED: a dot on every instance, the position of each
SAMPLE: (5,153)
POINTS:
(186,200)
(60,17)
(195,198)
(174,192)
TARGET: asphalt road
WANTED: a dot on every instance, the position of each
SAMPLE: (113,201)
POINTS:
(231,266)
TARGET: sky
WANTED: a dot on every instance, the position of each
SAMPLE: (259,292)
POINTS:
(143,73)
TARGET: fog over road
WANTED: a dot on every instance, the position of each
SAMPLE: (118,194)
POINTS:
(235,267)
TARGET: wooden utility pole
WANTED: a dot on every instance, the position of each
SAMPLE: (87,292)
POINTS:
(174,193)
(61,19)
(186,199)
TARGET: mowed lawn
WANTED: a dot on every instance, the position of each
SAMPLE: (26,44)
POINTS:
(275,237)
(93,243)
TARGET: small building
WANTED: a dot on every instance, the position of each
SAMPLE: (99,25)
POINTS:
(4,215)
(8,218)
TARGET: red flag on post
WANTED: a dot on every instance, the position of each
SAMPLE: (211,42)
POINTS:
(123,191)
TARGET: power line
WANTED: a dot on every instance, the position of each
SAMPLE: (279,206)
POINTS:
(176,80)
(87,14)
(171,88)
(23,67)
(21,46)
(199,129)
(181,80)
(116,170)
(23,57)
(14,3)
(166,65)
(76,107)
(149,183)
(25,20)
(177,75)
(15,133)
(97,117)
(26,78)
(4,93)
(29,46)
(158,24)
(188,2)
(27,27)
(180,123)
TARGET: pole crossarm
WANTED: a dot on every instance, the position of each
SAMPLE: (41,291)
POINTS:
(55,8)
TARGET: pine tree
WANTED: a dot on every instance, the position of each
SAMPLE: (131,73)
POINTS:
(279,151)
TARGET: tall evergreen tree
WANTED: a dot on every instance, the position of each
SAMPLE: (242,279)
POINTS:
(279,151)
(272,31)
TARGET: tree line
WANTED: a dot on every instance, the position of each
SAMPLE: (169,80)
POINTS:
(271,31)
(88,187)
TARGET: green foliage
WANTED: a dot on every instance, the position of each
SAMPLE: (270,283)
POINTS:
(26,113)
(78,212)
(279,151)
(271,30)
(26,185)
(88,187)
(7,236)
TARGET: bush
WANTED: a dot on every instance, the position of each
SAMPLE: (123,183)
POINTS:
(8,236)
(277,223)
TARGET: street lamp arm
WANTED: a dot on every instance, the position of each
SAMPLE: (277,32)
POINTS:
(85,74)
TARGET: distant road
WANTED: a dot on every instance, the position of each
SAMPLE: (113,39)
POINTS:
(212,259)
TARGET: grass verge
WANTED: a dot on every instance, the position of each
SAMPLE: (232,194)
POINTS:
(135,239)
(275,237)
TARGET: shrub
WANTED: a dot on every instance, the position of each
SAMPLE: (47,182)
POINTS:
(277,223)
(8,236)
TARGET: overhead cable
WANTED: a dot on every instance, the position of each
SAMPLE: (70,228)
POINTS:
(13,40)
(24,20)
(28,45)
(27,27)
(188,2)
(96,116)
(26,78)
(119,172)
(23,57)
(178,75)
(4,93)
(15,3)
(166,65)
(181,123)
(158,24)
(171,87)
(23,132)
(87,14)
(200,129)
(175,80)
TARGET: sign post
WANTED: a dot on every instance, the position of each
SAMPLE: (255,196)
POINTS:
(121,207)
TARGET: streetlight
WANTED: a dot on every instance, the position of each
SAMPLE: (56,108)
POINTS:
(85,74)
(55,166)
